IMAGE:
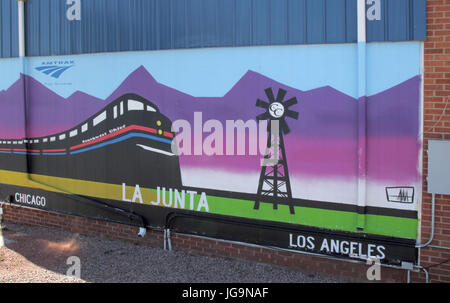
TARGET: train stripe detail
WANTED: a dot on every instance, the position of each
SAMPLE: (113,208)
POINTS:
(26,150)
(54,154)
(119,132)
(54,151)
(168,135)
(27,153)
(61,152)
(131,135)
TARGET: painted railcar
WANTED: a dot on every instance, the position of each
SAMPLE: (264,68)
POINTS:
(129,140)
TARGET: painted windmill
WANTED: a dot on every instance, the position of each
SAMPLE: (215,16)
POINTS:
(274,183)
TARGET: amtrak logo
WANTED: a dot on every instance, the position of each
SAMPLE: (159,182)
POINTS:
(55,68)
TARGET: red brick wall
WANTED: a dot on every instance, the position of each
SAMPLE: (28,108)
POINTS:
(436,126)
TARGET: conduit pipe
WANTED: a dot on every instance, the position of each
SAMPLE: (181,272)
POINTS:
(428,243)
(433,215)
(418,267)
(22,55)
(421,245)
(21,24)
(439,246)
(362,114)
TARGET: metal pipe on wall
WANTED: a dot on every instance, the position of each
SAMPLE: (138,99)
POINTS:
(421,245)
(427,276)
(21,25)
(22,55)
(362,115)
(433,216)
(430,240)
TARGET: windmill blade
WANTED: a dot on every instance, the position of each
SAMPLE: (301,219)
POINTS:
(262,104)
(285,127)
(292,114)
(264,116)
(290,102)
(270,95)
(281,95)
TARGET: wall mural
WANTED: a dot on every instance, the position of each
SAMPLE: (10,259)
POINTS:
(149,148)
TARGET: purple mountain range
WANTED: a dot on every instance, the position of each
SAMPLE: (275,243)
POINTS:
(322,141)
(324,112)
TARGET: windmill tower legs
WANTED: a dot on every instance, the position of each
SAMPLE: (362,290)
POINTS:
(274,182)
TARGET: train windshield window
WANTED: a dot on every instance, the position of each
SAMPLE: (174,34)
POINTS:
(135,105)
(151,109)
(100,118)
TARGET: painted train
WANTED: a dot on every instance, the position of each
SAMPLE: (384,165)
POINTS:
(129,140)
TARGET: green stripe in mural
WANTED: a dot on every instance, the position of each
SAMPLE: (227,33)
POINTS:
(322,218)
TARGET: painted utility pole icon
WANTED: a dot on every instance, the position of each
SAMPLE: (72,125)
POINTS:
(274,182)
